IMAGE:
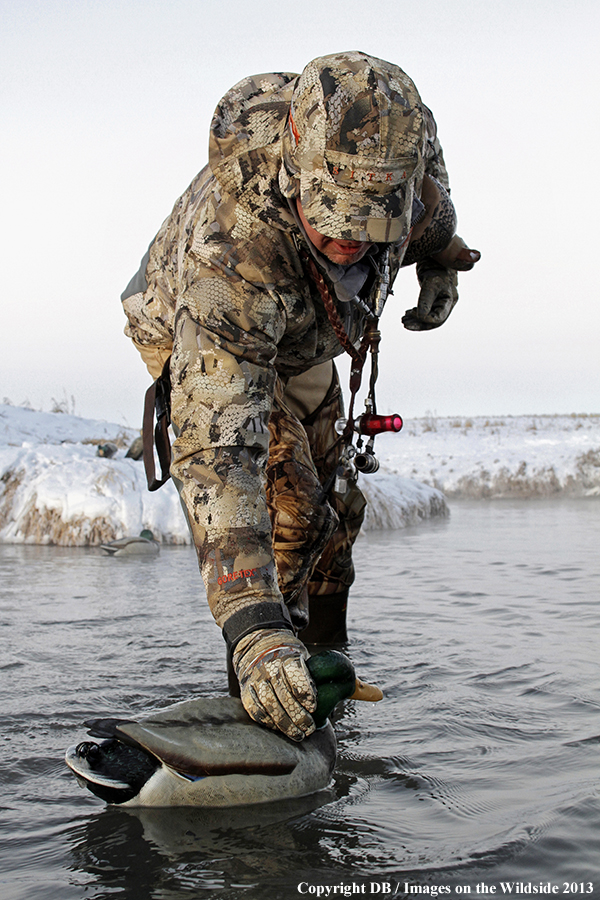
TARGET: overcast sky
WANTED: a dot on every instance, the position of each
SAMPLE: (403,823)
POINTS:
(105,114)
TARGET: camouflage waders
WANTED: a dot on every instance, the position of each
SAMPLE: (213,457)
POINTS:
(333,572)
(225,287)
(314,527)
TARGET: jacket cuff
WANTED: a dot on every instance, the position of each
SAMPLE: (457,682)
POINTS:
(255,618)
(429,266)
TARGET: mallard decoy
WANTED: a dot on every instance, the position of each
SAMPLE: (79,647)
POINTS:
(144,545)
(107,451)
(209,752)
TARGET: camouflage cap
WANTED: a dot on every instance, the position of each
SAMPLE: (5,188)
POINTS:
(354,141)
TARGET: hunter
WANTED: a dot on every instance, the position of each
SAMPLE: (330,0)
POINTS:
(276,259)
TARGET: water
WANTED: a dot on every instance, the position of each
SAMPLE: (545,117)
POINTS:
(479,768)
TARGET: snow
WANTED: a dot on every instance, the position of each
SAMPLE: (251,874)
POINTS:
(55,489)
(510,456)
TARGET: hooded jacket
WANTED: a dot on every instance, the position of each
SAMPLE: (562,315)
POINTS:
(223,287)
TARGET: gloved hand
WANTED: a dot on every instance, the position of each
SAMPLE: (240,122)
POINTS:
(437,299)
(275,685)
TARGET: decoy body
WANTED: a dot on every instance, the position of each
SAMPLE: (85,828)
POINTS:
(144,545)
(136,450)
(107,450)
(209,752)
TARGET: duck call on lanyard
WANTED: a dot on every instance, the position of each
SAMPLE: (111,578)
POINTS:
(370,423)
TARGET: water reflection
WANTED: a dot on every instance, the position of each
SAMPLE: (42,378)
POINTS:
(146,852)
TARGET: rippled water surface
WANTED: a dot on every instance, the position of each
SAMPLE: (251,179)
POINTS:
(478,770)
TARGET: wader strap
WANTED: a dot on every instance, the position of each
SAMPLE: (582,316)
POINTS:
(157,400)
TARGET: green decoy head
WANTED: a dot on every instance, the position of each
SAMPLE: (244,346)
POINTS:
(335,678)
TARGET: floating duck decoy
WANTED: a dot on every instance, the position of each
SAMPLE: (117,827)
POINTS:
(136,450)
(209,752)
(144,545)
(107,451)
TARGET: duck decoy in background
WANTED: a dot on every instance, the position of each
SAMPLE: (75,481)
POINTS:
(107,451)
(144,545)
(209,752)
(136,450)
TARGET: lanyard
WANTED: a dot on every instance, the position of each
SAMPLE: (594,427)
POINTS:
(370,423)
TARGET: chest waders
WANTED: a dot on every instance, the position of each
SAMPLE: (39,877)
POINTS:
(339,461)
(315,504)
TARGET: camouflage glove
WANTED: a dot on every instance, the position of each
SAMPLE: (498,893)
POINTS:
(275,685)
(437,299)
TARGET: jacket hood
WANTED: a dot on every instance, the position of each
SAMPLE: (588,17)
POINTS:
(245,145)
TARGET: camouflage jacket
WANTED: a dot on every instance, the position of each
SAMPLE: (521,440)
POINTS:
(223,284)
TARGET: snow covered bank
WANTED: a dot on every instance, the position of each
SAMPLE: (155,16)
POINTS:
(395,502)
(509,456)
(55,489)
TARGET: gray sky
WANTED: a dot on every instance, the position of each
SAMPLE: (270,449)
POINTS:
(105,114)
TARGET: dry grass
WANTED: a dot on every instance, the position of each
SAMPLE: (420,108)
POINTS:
(46,526)
(522,483)
(11,482)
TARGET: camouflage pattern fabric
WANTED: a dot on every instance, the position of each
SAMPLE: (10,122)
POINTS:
(301,517)
(355,139)
(223,283)
(437,298)
(334,570)
(436,230)
(275,685)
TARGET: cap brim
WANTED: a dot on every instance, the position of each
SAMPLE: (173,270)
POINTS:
(351,215)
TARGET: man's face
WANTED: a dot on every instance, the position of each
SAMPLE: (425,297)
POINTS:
(344,253)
